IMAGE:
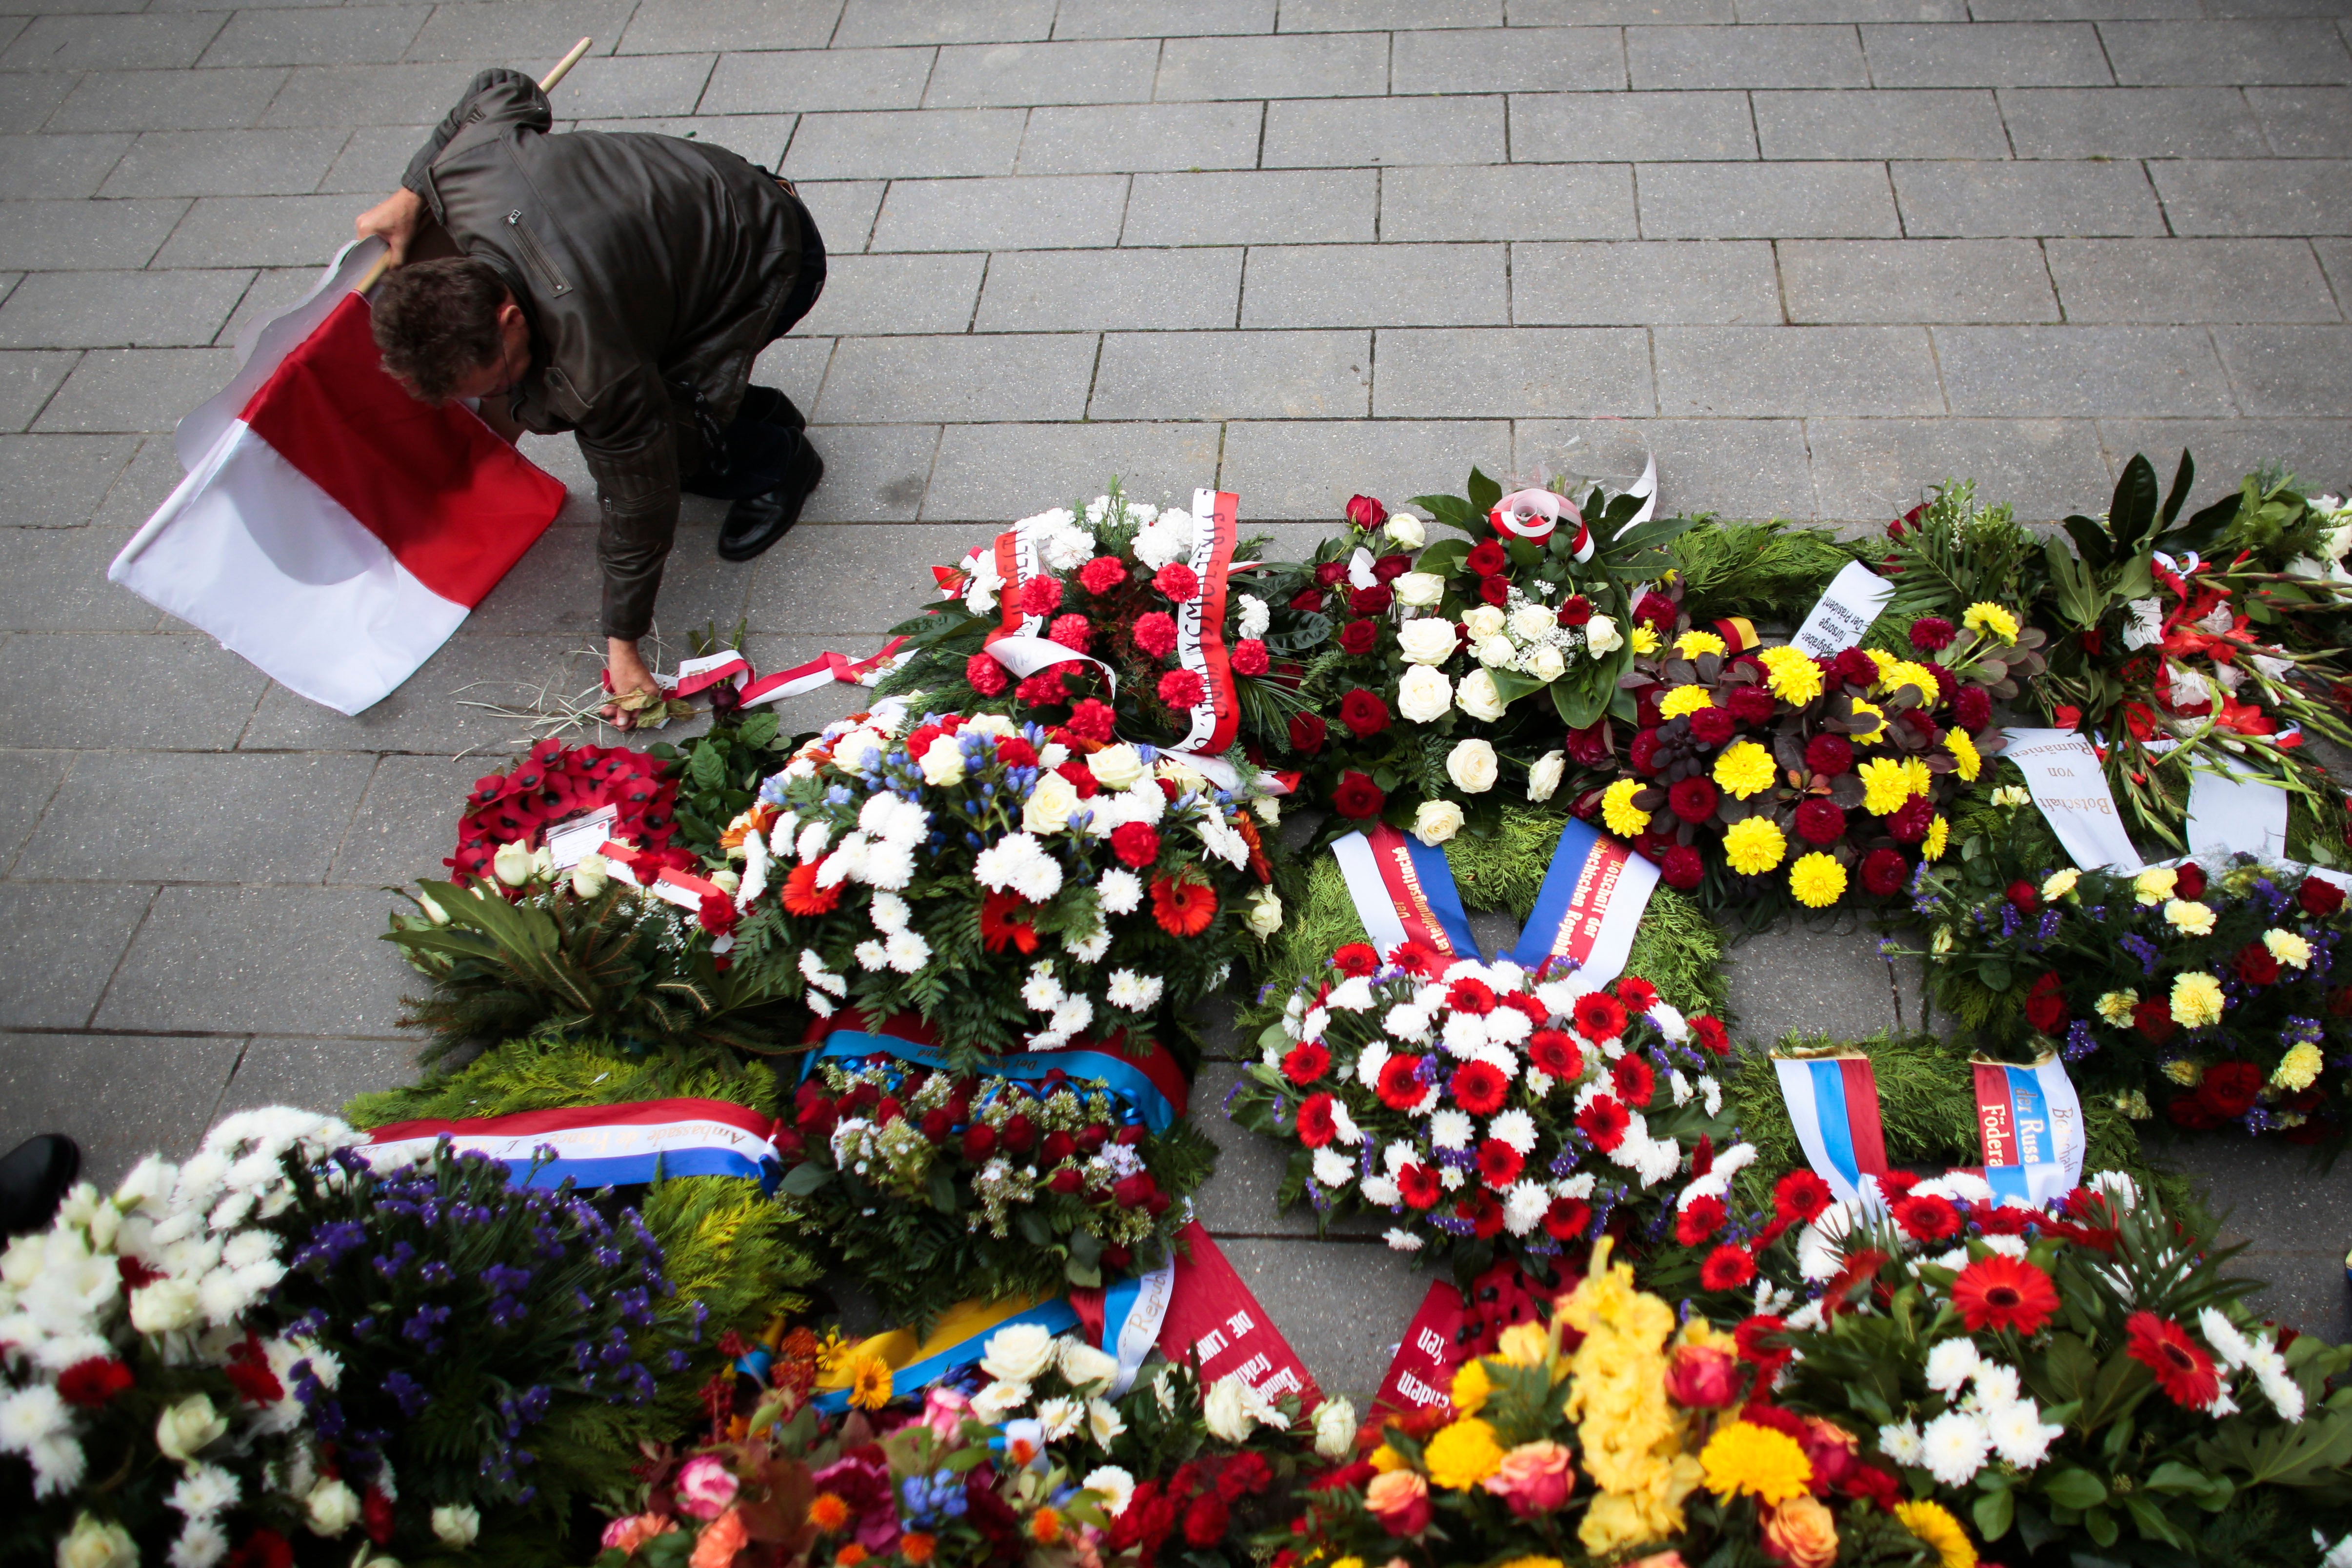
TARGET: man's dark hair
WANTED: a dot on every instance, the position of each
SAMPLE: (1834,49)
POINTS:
(437,322)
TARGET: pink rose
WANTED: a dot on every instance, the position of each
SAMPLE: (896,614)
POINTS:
(626,1535)
(1399,1500)
(944,1410)
(1701,1377)
(1534,1478)
(705,1487)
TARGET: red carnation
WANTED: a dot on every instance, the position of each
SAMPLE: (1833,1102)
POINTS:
(1015,751)
(1315,1125)
(2227,1088)
(1137,844)
(1829,755)
(2256,967)
(1183,689)
(1500,1163)
(1552,1051)
(1360,637)
(1604,1121)
(1884,873)
(1365,512)
(1931,633)
(1699,1219)
(92,1382)
(1043,689)
(716,914)
(1071,632)
(1711,1035)
(2189,881)
(1479,1087)
(1575,609)
(1971,709)
(1249,657)
(1092,720)
(1567,1219)
(1363,712)
(1634,1080)
(1306,1062)
(1727,1268)
(1041,596)
(984,675)
(1801,1195)
(1357,797)
(1681,867)
(1102,574)
(1400,1088)
(1486,558)
(1820,821)
(1598,1016)
(2045,1004)
(1926,1219)
(2319,897)
(1156,634)
(1177,581)
(1419,1186)
(2153,1019)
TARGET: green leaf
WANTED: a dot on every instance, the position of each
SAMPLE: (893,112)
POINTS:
(1581,707)
(943,1192)
(2180,493)
(707,767)
(1511,685)
(2102,1526)
(2132,512)
(2075,1488)
(1995,1511)
(1483,492)
(1451,510)
(802,1179)
(1445,558)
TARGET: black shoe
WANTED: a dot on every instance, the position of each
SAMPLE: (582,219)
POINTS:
(757,521)
(766,406)
(34,1178)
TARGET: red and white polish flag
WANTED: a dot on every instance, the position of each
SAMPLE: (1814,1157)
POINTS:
(335,530)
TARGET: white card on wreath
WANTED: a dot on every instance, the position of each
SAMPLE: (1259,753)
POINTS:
(569,842)
(2070,786)
(1854,597)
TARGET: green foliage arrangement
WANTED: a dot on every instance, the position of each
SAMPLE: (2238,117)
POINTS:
(718,773)
(1768,572)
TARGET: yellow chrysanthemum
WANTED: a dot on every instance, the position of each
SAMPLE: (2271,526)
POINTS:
(1471,1387)
(2298,1068)
(869,1382)
(1384,1459)
(1922,777)
(1864,712)
(1683,700)
(1932,1523)
(1691,644)
(2196,919)
(2116,1007)
(1754,845)
(1523,1563)
(2287,947)
(1886,785)
(1939,833)
(1793,677)
(1743,768)
(1985,616)
(1462,1455)
(1817,880)
(1745,1459)
(2153,887)
(1895,673)
(2195,999)
(1967,760)
(1882,659)
(1617,808)
(1645,638)
(2188,1074)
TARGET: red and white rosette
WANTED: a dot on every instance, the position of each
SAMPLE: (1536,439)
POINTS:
(1535,515)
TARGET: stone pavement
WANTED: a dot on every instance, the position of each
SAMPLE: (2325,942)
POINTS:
(1826,251)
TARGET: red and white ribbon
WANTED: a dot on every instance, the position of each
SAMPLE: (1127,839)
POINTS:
(1533,514)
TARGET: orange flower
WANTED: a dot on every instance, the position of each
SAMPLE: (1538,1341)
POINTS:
(917,1547)
(829,1513)
(803,896)
(1259,866)
(1182,908)
(1046,1527)
(758,820)
(721,1539)
(849,1556)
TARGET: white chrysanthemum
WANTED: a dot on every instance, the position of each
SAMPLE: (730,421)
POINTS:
(1017,863)
(1996,1384)
(2017,1434)
(202,1544)
(1502,1058)
(1516,1128)
(1406,1023)
(890,867)
(31,1415)
(1343,1126)
(1332,1168)
(1075,1014)
(1951,1364)
(1523,1206)
(1820,1245)
(871,956)
(1041,992)
(813,837)
(2283,1390)
(1398,1155)
(204,1490)
(1089,949)
(1352,994)
(1465,1034)
(1954,1447)
(1121,891)
(906,951)
(1899,1442)
(1450,1129)
(1370,1061)
(1710,1094)
(1255,616)
(1401,1240)
(847,862)
(1314,1024)
(2121,1191)
(1136,993)
(2007,1245)
(1381,1190)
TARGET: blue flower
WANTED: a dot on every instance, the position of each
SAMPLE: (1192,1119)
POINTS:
(407,1392)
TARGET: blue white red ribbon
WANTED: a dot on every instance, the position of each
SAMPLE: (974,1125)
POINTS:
(1152,1084)
(1404,891)
(2031,1123)
(1834,1105)
(599,1146)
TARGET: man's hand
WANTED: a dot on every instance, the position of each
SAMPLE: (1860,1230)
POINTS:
(627,674)
(396,219)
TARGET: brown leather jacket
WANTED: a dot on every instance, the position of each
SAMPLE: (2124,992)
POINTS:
(647,265)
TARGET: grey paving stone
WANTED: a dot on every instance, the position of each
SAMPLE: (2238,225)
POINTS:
(1653,282)
(27,779)
(27,99)
(322,1075)
(1915,280)
(2267,53)
(56,578)
(1119,138)
(854,582)
(1917,124)
(135,389)
(1563,127)
(67,940)
(34,235)
(1349,15)
(1780,370)
(2276,196)
(894,144)
(1732,467)
(58,481)
(1020,213)
(1342,1305)
(111,689)
(141,487)
(2335,258)
(795,366)
(1986,53)
(226,163)
(875,474)
(1985,200)
(843,210)
(1515,201)
(1778,11)
(995,473)
(260,231)
(2304,121)
(892,294)
(1783,57)
(1512,373)
(1239,1198)
(1307,469)
(1233,375)
(2286,370)
(407,822)
(672,26)
(365,95)
(1383,285)
(1517,59)
(340,36)
(110,43)
(26,380)
(980,75)
(895,379)
(816,708)
(1607,13)
(1268,207)
(1819,976)
(2314,449)
(557,586)
(189,817)
(761,137)
(921,22)
(76,1085)
(1052,291)
(1869,470)
(804,80)
(1146,19)
(1774,201)
(2084,10)
(631,86)
(2130,122)
(426,715)
(2186,280)
(103,309)
(2080,370)
(491,33)
(161,100)
(2292,1213)
(58,165)
(1341,133)
(1339,65)
(283,960)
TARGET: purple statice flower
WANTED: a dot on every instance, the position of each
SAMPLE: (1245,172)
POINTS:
(2141,948)
(2080,1042)
(407,1392)
(2049,925)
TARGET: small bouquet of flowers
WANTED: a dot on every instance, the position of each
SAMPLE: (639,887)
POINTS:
(1762,776)
(1489,1110)
(500,835)
(935,1185)
(2207,997)
(1015,890)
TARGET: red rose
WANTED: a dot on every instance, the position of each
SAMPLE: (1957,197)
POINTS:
(1306,1062)
(2227,1088)
(1357,797)
(1486,558)
(1183,689)
(984,675)
(1092,720)
(1713,1038)
(1495,590)
(937,1124)
(1307,601)
(979,1142)
(1749,704)
(2256,967)
(1249,657)
(1137,1191)
(1931,633)
(1177,581)
(1329,573)
(1389,568)
(2153,1019)
(1884,873)
(1372,601)
(1912,820)
(2189,881)
(2022,895)
(1363,712)
(1575,609)
(1137,844)
(1567,1219)
(1156,634)
(1360,637)
(1971,709)
(1316,1126)
(1681,867)
(376,1516)
(2319,897)
(1066,1180)
(1711,726)
(2045,1004)
(1365,513)
(1829,755)
(1479,1087)
(716,914)
(1308,732)
(1820,821)
(1419,1186)
(1604,1121)
(1102,574)
(1020,1133)
(1041,596)
(1071,632)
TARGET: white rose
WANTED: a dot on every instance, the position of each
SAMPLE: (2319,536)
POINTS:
(1335,1429)
(727,880)
(1262,912)
(1498,652)
(1226,1410)
(1083,1365)
(1532,623)
(542,864)
(1485,621)
(1116,766)
(1471,765)
(589,875)
(1436,821)
(512,863)
(1423,695)
(334,1508)
(455,1526)
(991,723)
(1430,640)
(1114,1486)
(185,1430)
(1406,532)
(857,751)
(1546,662)
(1419,588)
(1600,634)
(1479,696)
(1544,777)
(165,1305)
(942,761)
(1018,1353)
(1050,804)
(96,1545)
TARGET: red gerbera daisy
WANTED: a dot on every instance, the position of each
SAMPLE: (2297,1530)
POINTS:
(1182,908)
(93,1382)
(1599,1016)
(1499,1164)
(1749,1336)
(1316,1126)
(1419,1185)
(1000,923)
(1801,1195)
(802,895)
(1698,1219)
(1926,1219)
(1469,995)
(2001,1293)
(1306,1062)
(1478,1087)
(1480,1209)
(2183,1368)
(1634,1081)
(1551,1050)
(1638,995)
(1604,1121)
(1417,959)
(1400,1088)
(1727,1269)
(1356,958)
(1712,1037)
(1567,1219)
